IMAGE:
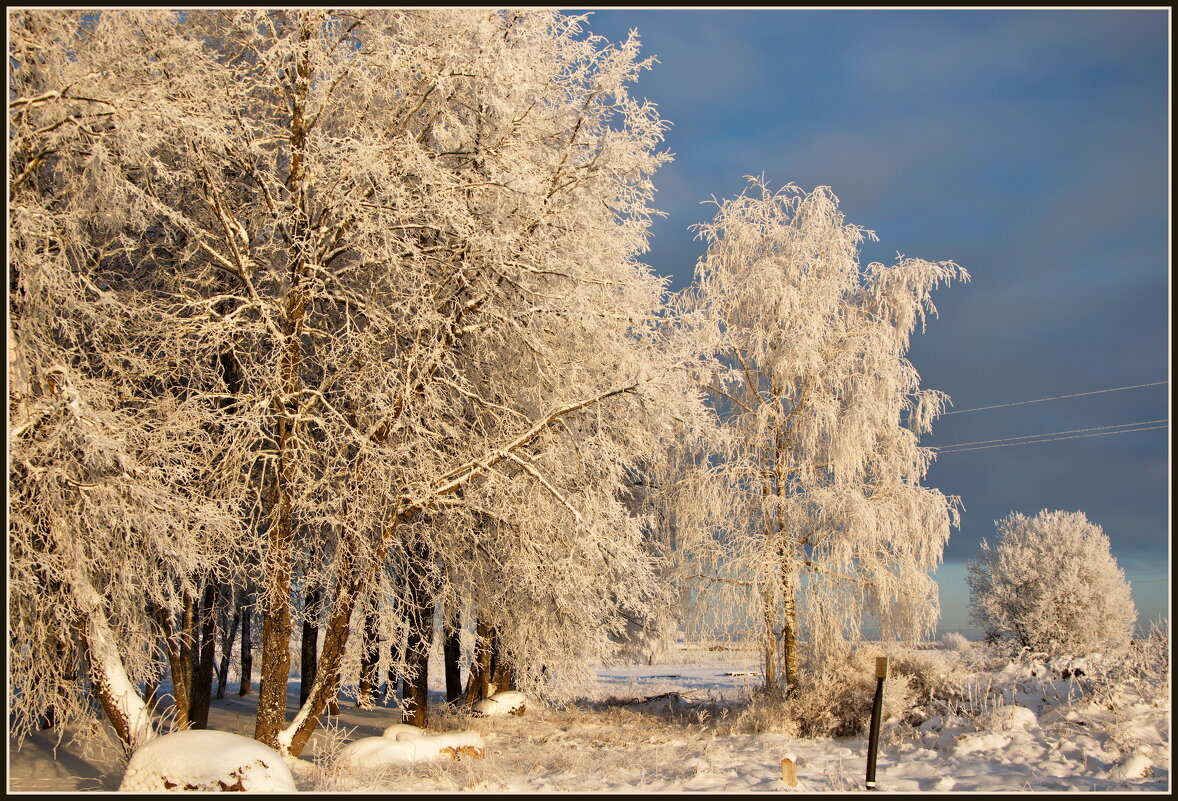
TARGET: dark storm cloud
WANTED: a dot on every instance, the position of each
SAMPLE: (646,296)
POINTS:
(1029,147)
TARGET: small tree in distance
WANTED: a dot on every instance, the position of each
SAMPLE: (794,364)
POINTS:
(1051,584)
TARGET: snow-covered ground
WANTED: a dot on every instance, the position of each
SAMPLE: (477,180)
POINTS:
(677,726)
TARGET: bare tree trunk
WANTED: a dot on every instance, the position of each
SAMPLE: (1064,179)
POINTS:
(202,678)
(276,621)
(416,702)
(369,660)
(478,684)
(309,651)
(247,653)
(227,646)
(769,636)
(276,630)
(421,630)
(502,675)
(452,654)
(789,627)
(325,692)
(152,687)
(180,661)
(396,654)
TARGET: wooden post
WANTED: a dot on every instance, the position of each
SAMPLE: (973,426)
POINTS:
(789,771)
(881,674)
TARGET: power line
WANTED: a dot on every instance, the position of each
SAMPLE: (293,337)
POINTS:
(1055,439)
(1057,397)
(1049,434)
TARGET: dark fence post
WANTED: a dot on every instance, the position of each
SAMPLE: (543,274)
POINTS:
(881,674)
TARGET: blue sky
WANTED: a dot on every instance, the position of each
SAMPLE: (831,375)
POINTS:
(1032,148)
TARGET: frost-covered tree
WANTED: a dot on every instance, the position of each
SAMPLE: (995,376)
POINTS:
(124,482)
(384,270)
(1050,583)
(818,470)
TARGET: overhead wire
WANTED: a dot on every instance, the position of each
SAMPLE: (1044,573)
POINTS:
(1051,439)
(943,448)
(1057,397)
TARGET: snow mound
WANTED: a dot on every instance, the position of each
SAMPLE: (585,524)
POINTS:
(983,741)
(203,759)
(1011,717)
(1134,766)
(395,731)
(508,702)
(402,744)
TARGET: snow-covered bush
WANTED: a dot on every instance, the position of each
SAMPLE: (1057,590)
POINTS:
(953,641)
(1051,584)
(1142,669)
(930,674)
(833,701)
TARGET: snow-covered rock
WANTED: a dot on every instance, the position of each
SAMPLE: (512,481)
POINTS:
(402,744)
(508,702)
(208,760)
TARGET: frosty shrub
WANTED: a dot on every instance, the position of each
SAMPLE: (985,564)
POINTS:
(1141,670)
(1051,584)
(833,700)
(930,674)
(954,641)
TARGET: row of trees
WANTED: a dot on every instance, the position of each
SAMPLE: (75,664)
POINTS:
(341,315)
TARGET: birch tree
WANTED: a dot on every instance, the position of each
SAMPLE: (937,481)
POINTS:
(414,235)
(826,521)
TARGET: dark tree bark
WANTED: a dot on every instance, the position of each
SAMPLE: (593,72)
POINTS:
(478,684)
(179,649)
(309,654)
(452,653)
(204,652)
(277,622)
(502,676)
(416,702)
(416,693)
(152,687)
(227,648)
(369,660)
(396,654)
(247,653)
(421,634)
